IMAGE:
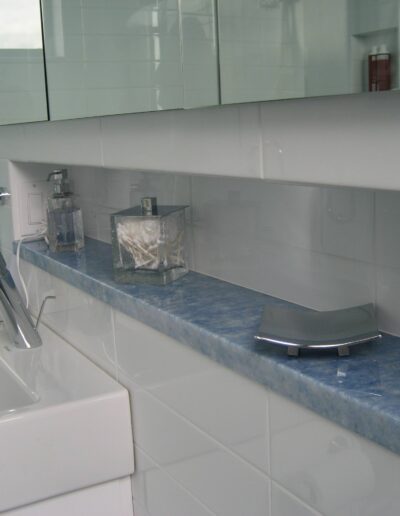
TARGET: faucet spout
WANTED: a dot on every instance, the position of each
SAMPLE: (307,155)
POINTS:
(17,320)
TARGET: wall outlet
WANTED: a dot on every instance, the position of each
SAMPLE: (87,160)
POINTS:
(30,190)
(32,199)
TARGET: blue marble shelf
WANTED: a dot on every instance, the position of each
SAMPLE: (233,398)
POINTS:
(218,319)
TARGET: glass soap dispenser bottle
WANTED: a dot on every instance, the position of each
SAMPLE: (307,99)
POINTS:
(64,218)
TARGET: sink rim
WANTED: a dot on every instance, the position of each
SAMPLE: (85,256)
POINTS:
(21,385)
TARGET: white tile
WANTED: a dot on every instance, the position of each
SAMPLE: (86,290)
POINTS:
(156,494)
(211,477)
(299,275)
(387,216)
(284,240)
(6,221)
(387,289)
(135,141)
(285,504)
(67,142)
(307,452)
(176,141)
(258,211)
(148,358)
(348,223)
(226,406)
(332,140)
(81,319)
(198,463)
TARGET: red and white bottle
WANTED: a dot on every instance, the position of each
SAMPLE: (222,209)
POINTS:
(383,69)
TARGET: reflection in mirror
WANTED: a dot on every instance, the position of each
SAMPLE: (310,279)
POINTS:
(199,53)
(112,57)
(278,49)
(22,78)
(129,56)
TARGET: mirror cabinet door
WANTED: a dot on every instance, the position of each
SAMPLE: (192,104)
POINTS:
(108,57)
(22,77)
(280,49)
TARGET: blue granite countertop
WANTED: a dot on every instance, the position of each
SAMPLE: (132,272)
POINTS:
(218,319)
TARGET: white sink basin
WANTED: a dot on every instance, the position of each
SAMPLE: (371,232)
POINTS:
(64,423)
(13,393)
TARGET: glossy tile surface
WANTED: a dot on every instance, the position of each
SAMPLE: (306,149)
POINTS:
(284,503)
(218,319)
(214,399)
(6,220)
(331,141)
(169,141)
(81,319)
(156,494)
(329,468)
(197,462)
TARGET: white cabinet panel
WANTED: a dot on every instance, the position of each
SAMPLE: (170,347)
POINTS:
(102,500)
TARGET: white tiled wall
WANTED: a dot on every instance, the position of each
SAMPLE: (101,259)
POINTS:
(6,217)
(322,247)
(209,442)
(317,246)
(348,140)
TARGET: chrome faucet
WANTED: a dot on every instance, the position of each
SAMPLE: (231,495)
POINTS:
(17,320)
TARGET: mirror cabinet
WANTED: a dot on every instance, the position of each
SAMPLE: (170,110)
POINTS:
(107,57)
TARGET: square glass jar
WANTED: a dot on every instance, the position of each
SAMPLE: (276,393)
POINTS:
(148,243)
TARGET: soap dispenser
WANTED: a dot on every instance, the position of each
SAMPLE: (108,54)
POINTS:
(64,218)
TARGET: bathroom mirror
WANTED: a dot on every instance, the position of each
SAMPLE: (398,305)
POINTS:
(113,57)
(22,76)
(280,49)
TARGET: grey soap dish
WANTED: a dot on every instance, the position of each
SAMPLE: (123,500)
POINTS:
(297,328)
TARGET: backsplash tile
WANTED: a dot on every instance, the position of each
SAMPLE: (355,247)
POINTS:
(309,245)
(322,247)
(387,232)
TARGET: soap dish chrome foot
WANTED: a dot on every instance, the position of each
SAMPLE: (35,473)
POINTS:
(343,351)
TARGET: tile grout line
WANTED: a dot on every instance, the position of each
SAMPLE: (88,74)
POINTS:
(208,436)
(174,480)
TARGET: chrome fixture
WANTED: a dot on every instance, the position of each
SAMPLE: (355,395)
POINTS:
(4,195)
(297,328)
(17,320)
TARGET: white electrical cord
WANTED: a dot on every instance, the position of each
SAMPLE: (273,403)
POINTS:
(41,233)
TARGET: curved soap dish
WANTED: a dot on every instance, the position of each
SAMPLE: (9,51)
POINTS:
(297,328)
